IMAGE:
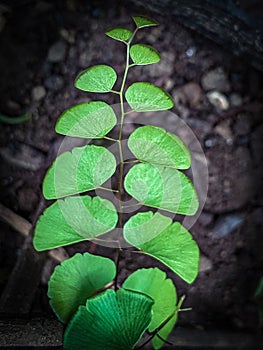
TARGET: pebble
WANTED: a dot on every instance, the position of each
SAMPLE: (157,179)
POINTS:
(164,68)
(215,80)
(191,51)
(235,99)
(226,224)
(68,35)
(218,100)
(205,264)
(205,218)
(210,142)
(54,82)
(23,156)
(57,52)
(38,93)
(193,93)
(223,129)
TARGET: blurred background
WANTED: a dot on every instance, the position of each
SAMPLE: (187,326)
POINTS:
(212,66)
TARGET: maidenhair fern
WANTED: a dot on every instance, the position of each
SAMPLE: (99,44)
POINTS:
(98,316)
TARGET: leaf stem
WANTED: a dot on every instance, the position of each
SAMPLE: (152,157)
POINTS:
(115,92)
(164,323)
(107,189)
(120,182)
(109,138)
(131,161)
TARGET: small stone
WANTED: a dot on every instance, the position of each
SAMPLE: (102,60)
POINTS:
(218,100)
(164,68)
(68,35)
(191,51)
(215,80)
(169,84)
(54,82)
(235,99)
(205,219)
(57,52)
(205,264)
(223,129)
(210,142)
(38,93)
(193,93)
(226,224)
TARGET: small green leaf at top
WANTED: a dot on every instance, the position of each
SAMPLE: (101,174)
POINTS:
(83,169)
(99,78)
(120,34)
(88,120)
(143,21)
(144,54)
(146,97)
(163,188)
(77,279)
(154,283)
(112,321)
(156,146)
(78,219)
(174,246)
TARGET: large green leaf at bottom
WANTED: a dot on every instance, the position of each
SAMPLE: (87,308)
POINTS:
(83,169)
(89,120)
(156,146)
(174,246)
(77,279)
(112,321)
(146,97)
(163,188)
(100,78)
(153,282)
(72,220)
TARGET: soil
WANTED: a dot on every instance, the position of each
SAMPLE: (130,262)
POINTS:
(44,45)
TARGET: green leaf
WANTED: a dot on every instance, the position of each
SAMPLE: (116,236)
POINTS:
(145,97)
(143,54)
(99,78)
(77,279)
(173,246)
(162,188)
(83,169)
(14,120)
(112,321)
(153,283)
(121,34)
(72,220)
(137,230)
(89,120)
(143,21)
(156,146)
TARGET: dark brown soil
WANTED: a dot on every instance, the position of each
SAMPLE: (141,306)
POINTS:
(37,76)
